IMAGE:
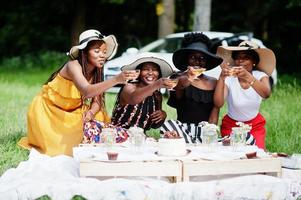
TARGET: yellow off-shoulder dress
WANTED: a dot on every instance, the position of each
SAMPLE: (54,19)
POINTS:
(54,119)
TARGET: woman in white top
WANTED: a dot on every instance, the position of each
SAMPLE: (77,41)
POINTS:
(243,83)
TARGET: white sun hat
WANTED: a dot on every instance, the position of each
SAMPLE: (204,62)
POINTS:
(90,35)
(267,59)
(165,68)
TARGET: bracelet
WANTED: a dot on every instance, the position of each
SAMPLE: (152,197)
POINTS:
(252,82)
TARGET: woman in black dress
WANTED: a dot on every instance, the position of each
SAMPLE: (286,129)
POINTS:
(193,96)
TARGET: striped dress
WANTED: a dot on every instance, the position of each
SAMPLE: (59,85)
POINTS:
(136,115)
(194,107)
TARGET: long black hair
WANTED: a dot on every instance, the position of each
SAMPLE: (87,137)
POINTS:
(97,72)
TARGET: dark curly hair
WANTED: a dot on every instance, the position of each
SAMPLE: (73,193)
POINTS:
(193,37)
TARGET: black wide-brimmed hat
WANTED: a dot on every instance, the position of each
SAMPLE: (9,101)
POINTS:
(180,57)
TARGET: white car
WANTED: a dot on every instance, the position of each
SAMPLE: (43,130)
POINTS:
(165,47)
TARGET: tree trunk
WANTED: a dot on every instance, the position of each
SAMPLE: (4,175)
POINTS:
(79,20)
(202,15)
(166,12)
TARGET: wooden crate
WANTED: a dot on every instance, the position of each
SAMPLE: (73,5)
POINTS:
(232,167)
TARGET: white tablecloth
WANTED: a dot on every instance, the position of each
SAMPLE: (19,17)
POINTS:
(58,177)
(150,152)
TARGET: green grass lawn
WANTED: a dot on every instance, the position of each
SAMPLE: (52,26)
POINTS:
(17,88)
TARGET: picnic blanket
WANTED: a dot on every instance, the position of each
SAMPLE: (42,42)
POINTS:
(58,177)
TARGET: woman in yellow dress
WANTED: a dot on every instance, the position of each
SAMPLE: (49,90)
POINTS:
(72,95)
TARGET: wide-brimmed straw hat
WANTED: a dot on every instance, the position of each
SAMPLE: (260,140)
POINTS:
(90,35)
(267,59)
(180,57)
(165,68)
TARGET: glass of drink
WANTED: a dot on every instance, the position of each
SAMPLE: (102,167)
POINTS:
(209,138)
(232,70)
(136,72)
(238,137)
(108,137)
(197,71)
(137,138)
(174,81)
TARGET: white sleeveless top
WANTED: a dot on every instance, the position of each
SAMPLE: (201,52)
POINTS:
(243,104)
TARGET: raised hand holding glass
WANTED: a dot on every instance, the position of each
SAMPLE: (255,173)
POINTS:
(134,74)
(197,71)
(173,80)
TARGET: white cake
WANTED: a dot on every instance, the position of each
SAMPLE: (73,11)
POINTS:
(172,147)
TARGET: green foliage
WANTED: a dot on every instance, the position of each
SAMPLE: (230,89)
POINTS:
(45,197)
(117,1)
(282,112)
(77,197)
(29,28)
(31,62)
(15,97)
(184,17)
(31,69)
(276,26)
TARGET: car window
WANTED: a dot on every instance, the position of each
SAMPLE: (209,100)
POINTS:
(168,46)
(234,41)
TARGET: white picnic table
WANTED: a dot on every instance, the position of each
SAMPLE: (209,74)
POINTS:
(199,161)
